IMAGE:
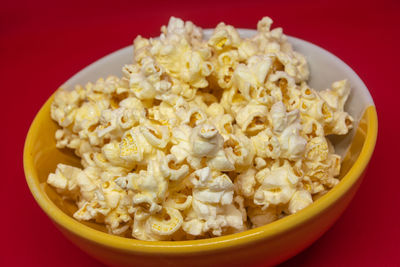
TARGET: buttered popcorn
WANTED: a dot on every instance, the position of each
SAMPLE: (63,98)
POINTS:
(200,138)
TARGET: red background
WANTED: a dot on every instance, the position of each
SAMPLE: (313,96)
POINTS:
(43,44)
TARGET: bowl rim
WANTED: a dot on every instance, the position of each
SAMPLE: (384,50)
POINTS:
(202,245)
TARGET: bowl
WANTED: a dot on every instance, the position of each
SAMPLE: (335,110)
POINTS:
(269,244)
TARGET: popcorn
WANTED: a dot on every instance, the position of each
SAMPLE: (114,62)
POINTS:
(170,170)
(245,183)
(299,201)
(179,201)
(193,227)
(253,75)
(134,145)
(91,210)
(157,136)
(193,117)
(165,224)
(200,138)
(284,139)
(239,149)
(277,187)
(221,162)
(214,218)
(224,36)
(224,124)
(205,140)
(260,217)
(64,178)
(212,187)
(118,222)
(252,118)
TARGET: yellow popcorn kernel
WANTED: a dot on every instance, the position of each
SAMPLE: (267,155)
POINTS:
(173,170)
(205,140)
(341,123)
(86,180)
(227,58)
(233,217)
(239,150)
(82,213)
(191,115)
(232,100)
(112,195)
(246,182)
(211,187)
(260,217)
(165,223)
(277,187)
(117,98)
(298,169)
(317,149)
(266,144)
(108,86)
(86,115)
(307,184)
(224,124)
(195,70)
(252,118)
(64,177)
(219,40)
(127,119)
(146,199)
(91,210)
(179,201)
(253,75)
(193,227)
(278,117)
(312,129)
(156,135)
(139,230)
(220,162)
(140,46)
(224,77)
(130,148)
(101,160)
(299,201)
(283,85)
(337,96)
(118,221)
(256,124)
(335,165)
(238,201)
(180,138)
(264,24)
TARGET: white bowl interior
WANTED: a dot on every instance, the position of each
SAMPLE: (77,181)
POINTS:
(325,68)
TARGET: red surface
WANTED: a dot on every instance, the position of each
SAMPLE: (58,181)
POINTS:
(43,44)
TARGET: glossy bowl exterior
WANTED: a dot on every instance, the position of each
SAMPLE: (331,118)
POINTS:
(269,244)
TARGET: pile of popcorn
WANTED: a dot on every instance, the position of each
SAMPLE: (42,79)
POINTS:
(200,138)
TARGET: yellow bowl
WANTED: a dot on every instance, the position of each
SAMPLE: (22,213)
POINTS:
(269,244)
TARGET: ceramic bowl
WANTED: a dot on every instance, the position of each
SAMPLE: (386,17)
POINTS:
(269,244)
